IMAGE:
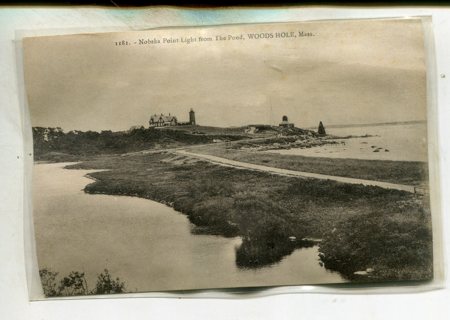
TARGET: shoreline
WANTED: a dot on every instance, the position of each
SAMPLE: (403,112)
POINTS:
(217,208)
(414,173)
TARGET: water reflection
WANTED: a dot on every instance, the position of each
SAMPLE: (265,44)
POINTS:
(258,254)
(147,244)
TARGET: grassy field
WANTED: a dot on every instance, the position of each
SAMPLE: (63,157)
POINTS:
(402,172)
(52,144)
(207,130)
(360,227)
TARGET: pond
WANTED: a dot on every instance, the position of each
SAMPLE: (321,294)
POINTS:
(147,244)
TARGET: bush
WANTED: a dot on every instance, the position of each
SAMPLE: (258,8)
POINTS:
(48,141)
(261,219)
(48,280)
(215,213)
(75,284)
(107,285)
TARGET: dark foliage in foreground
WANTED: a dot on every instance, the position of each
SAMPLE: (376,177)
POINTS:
(362,227)
(400,246)
(75,284)
(53,144)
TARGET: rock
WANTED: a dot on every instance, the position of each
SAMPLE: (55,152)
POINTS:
(292,238)
(369,270)
(360,273)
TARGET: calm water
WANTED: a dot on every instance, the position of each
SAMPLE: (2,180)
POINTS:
(405,142)
(145,243)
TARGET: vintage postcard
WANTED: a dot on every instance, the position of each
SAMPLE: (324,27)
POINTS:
(230,156)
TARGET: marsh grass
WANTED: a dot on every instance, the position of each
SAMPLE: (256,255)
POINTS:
(401,172)
(361,227)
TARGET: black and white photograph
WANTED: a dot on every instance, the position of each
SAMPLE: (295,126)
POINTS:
(234,156)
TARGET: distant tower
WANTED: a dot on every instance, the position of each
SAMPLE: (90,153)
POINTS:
(285,123)
(321,129)
(192,117)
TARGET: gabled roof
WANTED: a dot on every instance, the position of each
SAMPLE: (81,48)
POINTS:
(163,118)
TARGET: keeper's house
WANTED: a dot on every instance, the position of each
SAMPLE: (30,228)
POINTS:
(169,121)
(162,120)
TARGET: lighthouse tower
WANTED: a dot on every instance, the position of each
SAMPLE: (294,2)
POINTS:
(192,117)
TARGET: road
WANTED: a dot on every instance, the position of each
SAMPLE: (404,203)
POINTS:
(292,173)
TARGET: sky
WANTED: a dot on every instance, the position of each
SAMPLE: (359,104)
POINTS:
(360,71)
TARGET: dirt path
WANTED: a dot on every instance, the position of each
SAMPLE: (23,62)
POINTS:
(293,173)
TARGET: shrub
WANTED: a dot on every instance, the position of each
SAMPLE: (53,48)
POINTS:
(260,218)
(216,213)
(48,280)
(75,284)
(107,285)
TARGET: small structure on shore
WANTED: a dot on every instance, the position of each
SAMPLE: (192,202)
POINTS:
(285,123)
(162,120)
(321,129)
